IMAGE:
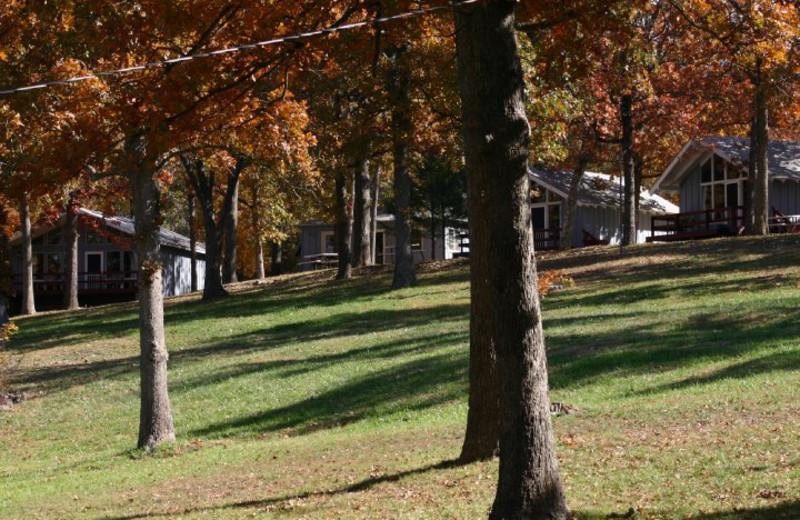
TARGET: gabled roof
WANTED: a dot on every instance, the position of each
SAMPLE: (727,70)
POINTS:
(598,190)
(783,159)
(125,225)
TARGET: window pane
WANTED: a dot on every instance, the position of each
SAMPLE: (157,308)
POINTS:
(538,218)
(54,263)
(113,262)
(705,172)
(732,194)
(708,203)
(38,264)
(128,262)
(554,214)
(719,169)
(38,241)
(719,195)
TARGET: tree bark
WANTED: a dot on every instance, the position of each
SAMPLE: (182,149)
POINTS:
(572,203)
(28,301)
(497,135)
(155,417)
(71,255)
(231,225)
(759,148)
(402,126)
(376,191)
(344,227)
(628,171)
(190,198)
(5,268)
(362,214)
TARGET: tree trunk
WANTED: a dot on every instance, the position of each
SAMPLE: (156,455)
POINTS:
(192,239)
(759,148)
(5,268)
(155,418)
(362,214)
(483,417)
(628,171)
(344,227)
(376,191)
(28,301)
(231,225)
(402,126)
(565,242)
(497,135)
(71,255)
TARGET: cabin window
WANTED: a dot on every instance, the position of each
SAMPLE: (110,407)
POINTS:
(53,263)
(119,262)
(328,242)
(38,240)
(95,237)
(545,208)
(722,184)
(37,260)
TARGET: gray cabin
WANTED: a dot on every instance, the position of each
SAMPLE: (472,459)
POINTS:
(107,267)
(597,216)
(710,176)
(318,244)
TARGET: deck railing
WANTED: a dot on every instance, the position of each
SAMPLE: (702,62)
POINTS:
(546,239)
(695,224)
(94,283)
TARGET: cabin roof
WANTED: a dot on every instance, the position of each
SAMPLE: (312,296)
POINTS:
(598,190)
(124,225)
(783,159)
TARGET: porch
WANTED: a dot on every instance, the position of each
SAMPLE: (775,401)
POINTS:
(697,224)
(54,284)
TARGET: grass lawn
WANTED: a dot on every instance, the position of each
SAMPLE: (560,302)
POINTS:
(309,398)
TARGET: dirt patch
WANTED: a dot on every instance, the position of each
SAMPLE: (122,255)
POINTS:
(9,400)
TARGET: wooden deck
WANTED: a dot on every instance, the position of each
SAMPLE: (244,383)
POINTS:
(53,284)
(695,225)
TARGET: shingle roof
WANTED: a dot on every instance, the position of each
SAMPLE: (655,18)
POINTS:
(165,236)
(598,189)
(783,159)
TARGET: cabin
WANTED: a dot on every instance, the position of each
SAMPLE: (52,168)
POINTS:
(318,244)
(710,177)
(598,212)
(107,267)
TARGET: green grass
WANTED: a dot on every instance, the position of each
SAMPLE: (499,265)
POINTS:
(308,398)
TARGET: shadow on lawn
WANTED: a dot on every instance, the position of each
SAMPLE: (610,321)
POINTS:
(578,358)
(364,485)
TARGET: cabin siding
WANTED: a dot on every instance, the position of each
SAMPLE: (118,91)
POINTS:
(691,195)
(785,197)
(601,222)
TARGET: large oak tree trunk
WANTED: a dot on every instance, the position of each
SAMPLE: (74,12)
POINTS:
(71,255)
(155,417)
(402,126)
(28,302)
(5,268)
(483,418)
(231,225)
(628,171)
(567,226)
(275,258)
(496,142)
(344,227)
(362,214)
(376,192)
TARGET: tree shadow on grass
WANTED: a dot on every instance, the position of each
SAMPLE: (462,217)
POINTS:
(782,511)
(364,485)
(408,387)
(579,358)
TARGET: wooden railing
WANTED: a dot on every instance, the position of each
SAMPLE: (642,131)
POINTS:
(95,283)
(546,239)
(696,224)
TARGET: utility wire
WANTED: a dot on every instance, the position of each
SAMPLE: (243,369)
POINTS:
(240,48)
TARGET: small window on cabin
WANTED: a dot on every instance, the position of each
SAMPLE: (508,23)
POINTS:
(38,240)
(719,196)
(54,263)
(554,197)
(127,263)
(114,261)
(54,237)
(732,172)
(705,172)
(707,194)
(554,216)
(38,264)
(719,170)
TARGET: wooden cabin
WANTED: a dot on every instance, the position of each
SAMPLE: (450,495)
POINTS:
(710,177)
(598,212)
(107,267)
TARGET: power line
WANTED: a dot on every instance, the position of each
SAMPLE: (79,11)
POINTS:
(240,48)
